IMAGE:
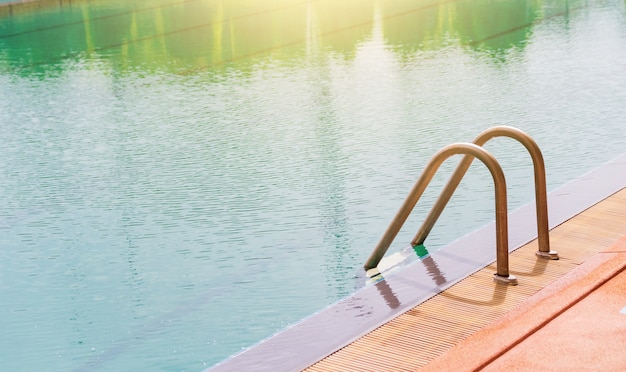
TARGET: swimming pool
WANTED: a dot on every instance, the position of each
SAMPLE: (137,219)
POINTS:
(181,179)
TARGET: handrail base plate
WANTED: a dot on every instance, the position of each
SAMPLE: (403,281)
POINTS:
(508,280)
(551,255)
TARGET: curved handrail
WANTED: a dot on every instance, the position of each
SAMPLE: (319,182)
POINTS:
(541,198)
(502,249)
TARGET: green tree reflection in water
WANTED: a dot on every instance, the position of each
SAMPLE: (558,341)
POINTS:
(494,25)
(183,37)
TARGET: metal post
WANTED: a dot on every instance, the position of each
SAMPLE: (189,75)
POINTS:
(541,198)
(502,251)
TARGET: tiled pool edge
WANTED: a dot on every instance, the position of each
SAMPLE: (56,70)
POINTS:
(338,325)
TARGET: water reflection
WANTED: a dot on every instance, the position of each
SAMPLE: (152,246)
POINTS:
(331,174)
(494,25)
(391,299)
(409,29)
(429,263)
(187,36)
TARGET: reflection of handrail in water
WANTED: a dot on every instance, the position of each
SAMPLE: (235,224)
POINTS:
(502,244)
(387,292)
(430,264)
(541,198)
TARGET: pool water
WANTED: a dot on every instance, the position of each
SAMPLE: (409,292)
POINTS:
(181,179)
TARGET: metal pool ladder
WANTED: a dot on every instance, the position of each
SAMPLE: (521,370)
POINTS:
(471,151)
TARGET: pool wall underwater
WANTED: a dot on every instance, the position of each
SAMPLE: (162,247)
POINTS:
(181,179)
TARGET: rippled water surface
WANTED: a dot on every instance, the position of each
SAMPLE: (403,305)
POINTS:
(181,179)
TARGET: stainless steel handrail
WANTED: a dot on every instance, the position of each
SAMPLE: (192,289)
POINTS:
(541,198)
(502,249)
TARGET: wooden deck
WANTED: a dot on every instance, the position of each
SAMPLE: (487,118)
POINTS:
(413,339)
